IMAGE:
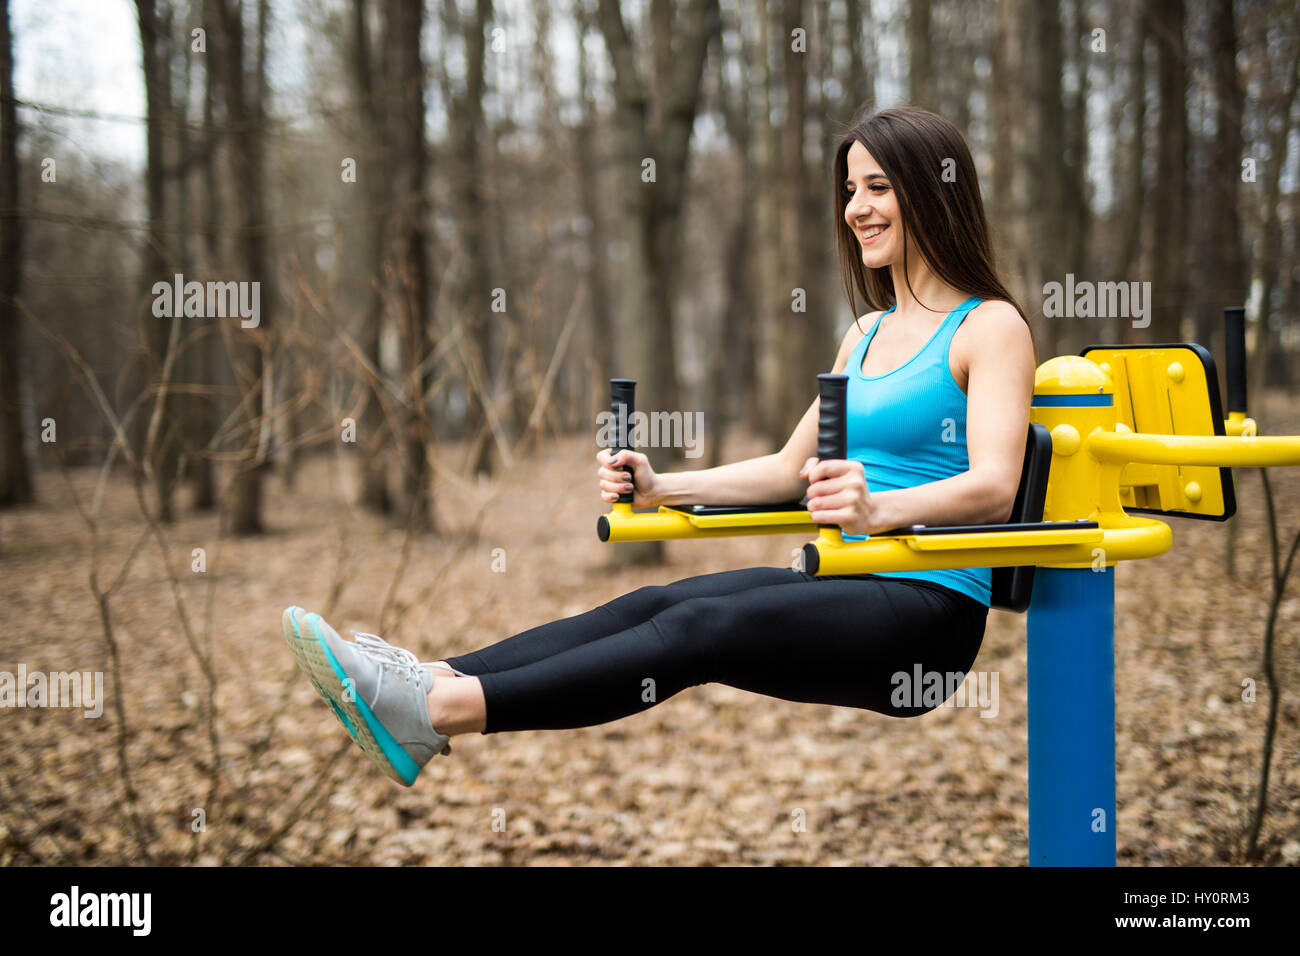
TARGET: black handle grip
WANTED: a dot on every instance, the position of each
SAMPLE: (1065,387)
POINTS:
(1234,347)
(832,424)
(622,402)
(832,428)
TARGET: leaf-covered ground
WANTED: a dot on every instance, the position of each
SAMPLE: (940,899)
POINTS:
(712,775)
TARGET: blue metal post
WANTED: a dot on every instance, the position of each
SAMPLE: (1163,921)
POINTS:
(1072,717)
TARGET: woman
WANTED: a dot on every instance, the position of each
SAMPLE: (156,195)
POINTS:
(938,407)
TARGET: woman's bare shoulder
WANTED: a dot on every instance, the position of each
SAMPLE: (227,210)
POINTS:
(998,311)
(860,327)
(995,327)
(852,336)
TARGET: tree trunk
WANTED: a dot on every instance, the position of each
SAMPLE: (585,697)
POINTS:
(1227,260)
(247,344)
(654,207)
(1047,261)
(729,383)
(202,419)
(797,286)
(1169,195)
(1267,270)
(410,152)
(471,224)
(376,199)
(15,478)
(1131,220)
(1010,225)
(767,316)
(920,73)
(859,81)
(155,43)
(1078,201)
(603,331)
(191,339)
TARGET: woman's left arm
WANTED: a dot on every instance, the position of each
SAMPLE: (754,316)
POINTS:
(999,391)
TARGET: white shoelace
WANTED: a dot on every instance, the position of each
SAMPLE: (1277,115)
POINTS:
(385,654)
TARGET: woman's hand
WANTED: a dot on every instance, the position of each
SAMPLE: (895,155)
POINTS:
(838,495)
(615,480)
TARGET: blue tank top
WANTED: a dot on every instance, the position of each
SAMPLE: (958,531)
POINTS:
(909,428)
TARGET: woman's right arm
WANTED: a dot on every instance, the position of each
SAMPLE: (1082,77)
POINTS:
(768,479)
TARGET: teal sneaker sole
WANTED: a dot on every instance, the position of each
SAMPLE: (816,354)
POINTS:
(333,684)
(293,637)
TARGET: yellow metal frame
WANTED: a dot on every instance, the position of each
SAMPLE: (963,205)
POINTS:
(1095,456)
(668,522)
(1164,390)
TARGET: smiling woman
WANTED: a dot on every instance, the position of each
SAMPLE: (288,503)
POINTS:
(939,386)
(911,168)
(918,243)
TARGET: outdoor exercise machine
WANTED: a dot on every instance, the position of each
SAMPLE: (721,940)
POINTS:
(1113,430)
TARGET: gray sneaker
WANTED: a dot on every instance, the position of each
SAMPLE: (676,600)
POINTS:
(377,691)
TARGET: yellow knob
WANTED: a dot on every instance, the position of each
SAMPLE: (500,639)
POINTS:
(1192,490)
(1176,372)
(1065,439)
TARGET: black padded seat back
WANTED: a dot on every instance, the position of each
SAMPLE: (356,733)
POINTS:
(1013,587)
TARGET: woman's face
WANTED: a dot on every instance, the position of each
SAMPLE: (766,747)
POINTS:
(872,210)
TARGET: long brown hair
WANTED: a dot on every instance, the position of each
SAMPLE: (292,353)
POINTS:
(944,216)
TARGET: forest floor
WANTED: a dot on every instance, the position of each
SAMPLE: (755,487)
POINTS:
(713,776)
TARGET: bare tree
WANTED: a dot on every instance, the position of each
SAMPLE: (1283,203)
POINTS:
(1130,221)
(858,80)
(1169,194)
(15,478)
(204,366)
(468,130)
(1225,256)
(653,207)
(920,72)
(404,22)
(376,193)
(798,305)
(1047,262)
(603,329)
(157,258)
(768,360)
(1076,195)
(1281,84)
(730,384)
(244,116)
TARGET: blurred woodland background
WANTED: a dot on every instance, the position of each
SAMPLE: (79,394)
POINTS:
(464,217)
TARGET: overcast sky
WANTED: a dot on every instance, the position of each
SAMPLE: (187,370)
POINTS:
(81,54)
(85,55)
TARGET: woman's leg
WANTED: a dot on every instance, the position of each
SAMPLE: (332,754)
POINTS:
(623,612)
(846,641)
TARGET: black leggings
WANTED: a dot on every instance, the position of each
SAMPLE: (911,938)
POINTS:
(840,640)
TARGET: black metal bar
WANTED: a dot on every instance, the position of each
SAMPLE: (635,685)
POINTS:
(1234,347)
